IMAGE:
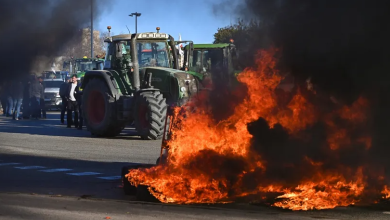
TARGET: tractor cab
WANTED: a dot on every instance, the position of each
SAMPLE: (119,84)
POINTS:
(81,66)
(127,53)
(85,64)
(215,61)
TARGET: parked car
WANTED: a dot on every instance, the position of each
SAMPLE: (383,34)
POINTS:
(52,93)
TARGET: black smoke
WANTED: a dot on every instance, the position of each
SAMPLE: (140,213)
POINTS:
(343,46)
(29,29)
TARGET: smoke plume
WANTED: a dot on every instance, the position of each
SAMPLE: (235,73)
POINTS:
(40,28)
(342,47)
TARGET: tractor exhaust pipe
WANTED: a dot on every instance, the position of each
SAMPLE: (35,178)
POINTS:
(174,51)
(134,55)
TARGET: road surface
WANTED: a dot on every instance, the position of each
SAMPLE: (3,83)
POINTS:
(48,171)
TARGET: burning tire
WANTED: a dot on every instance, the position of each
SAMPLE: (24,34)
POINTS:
(150,114)
(144,195)
(99,109)
(128,189)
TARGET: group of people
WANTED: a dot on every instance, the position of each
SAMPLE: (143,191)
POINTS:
(71,95)
(29,93)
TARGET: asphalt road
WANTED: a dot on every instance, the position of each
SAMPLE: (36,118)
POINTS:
(48,171)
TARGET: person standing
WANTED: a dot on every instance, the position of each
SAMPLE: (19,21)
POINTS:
(36,91)
(71,95)
(26,98)
(3,98)
(79,101)
(42,106)
(63,90)
(17,96)
(10,103)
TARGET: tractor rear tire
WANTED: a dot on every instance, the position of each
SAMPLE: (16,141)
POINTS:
(99,109)
(150,114)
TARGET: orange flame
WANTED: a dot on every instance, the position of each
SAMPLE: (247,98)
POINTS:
(199,151)
(332,191)
(386,192)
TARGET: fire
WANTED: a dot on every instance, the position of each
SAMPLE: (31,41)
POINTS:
(386,192)
(215,161)
(355,118)
(330,192)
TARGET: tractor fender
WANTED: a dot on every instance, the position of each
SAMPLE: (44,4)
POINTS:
(107,77)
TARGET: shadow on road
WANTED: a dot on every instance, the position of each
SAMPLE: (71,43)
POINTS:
(29,176)
(51,126)
(59,184)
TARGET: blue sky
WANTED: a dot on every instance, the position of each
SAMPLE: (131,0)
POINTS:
(193,19)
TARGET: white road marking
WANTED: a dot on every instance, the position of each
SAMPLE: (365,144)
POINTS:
(110,177)
(83,174)
(62,170)
(6,164)
(30,167)
(55,170)
(386,213)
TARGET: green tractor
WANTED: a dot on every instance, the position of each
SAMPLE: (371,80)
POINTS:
(82,65)
(140,80)
(216,62)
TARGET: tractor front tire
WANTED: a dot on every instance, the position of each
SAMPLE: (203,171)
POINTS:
(150,114)
(99,109)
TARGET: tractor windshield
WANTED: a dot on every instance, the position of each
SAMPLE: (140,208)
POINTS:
(150,53)
(83,66)
(153,54)
(204,60)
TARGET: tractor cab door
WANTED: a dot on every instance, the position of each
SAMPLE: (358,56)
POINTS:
(118,61)
(109,55)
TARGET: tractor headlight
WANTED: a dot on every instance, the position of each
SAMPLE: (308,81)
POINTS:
(183,89)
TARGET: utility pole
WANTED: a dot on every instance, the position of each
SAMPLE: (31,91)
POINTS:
(136,14)
(91,28)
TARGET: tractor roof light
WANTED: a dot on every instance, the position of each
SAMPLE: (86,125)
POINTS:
(158,29)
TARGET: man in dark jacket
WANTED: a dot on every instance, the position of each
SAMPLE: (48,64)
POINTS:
(63,91)
(17,96)
(71,94)
(79,97)
(36,91)
(42,109)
